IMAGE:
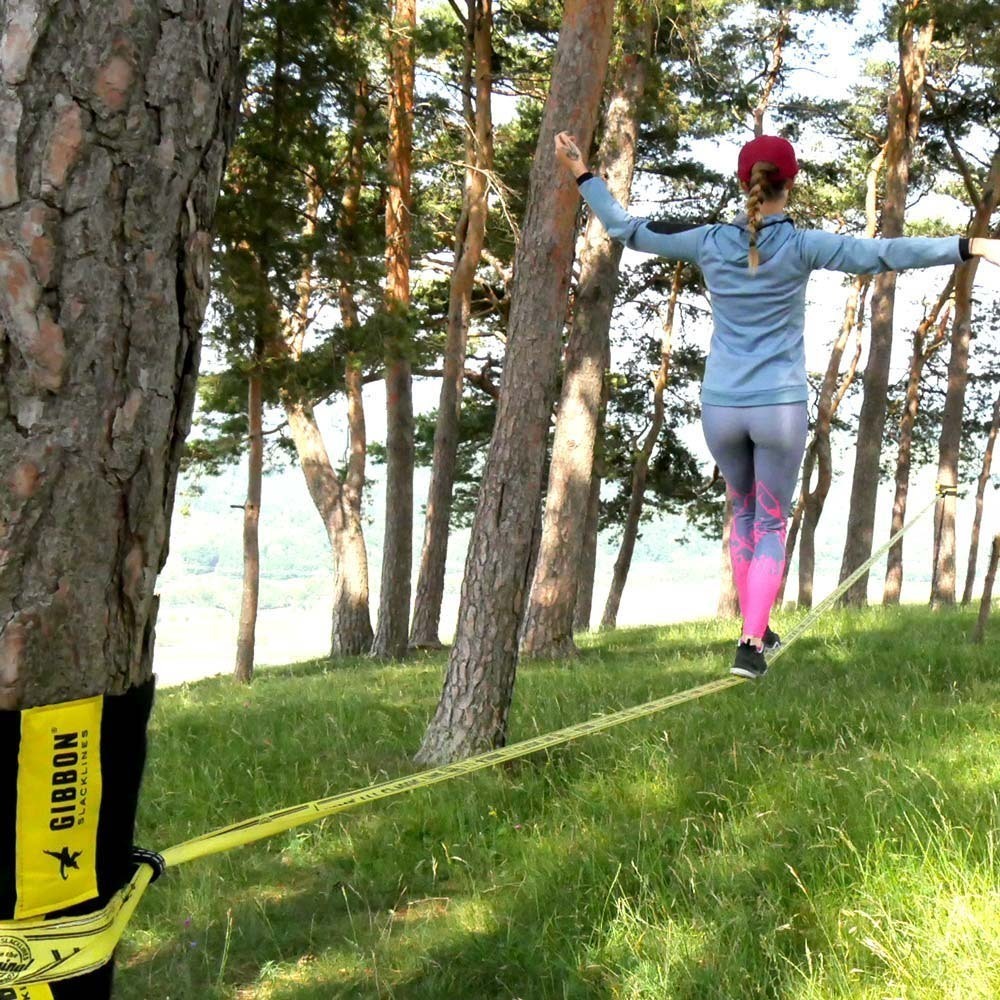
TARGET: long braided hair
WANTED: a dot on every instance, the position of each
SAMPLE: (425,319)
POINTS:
(763,187)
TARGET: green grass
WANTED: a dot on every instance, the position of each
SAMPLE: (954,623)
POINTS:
(829,832)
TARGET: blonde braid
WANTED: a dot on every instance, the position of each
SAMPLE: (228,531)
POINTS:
(761,187)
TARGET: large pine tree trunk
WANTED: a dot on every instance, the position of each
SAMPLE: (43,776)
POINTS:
(943,574)
(243,671)
(548,630)
(640,468)
(473,709)
(977,523)
(392,630)
(470,234)
(116,121)
(911,406)
(903,127)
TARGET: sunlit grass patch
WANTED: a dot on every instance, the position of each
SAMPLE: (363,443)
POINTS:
(828,832)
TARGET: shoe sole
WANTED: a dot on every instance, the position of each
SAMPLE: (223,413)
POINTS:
(750,675)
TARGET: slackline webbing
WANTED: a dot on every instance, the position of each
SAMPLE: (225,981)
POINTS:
(42,951)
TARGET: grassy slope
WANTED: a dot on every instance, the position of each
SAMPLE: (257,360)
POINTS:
(829,832)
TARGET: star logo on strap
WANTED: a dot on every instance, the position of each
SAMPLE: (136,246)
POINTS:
(66,860)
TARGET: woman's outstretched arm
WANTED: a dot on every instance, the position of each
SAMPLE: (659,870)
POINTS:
(666,239)
(828,251)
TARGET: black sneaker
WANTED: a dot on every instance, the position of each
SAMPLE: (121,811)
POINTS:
(771,640)
(749,662)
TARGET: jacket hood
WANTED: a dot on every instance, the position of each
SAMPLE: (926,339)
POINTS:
(732,239)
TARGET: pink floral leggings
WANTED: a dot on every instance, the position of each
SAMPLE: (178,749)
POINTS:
(759,451)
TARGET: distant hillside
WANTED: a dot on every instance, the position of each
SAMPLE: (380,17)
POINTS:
(674,574)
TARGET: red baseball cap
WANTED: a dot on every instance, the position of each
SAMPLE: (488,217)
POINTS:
(771,149)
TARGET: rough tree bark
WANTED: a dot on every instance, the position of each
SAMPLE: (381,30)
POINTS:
(922,350)
(950,439)
(903,126)
(548,629)
(115,123)
(977,523)
(392,630)
(470,235)
(472,712)
(243,671)
(640,468)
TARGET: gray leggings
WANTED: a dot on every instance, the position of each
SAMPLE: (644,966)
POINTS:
(758,450)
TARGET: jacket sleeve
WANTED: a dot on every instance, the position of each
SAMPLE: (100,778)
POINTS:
(671,240)
(830,252)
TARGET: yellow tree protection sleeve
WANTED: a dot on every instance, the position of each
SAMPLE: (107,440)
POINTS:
(58,804)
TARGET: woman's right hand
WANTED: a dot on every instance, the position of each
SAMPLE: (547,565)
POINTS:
(569,155)
(987,249)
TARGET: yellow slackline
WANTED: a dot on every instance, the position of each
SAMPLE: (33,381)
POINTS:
(38,951)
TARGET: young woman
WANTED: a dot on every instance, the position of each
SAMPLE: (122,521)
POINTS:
(754,394)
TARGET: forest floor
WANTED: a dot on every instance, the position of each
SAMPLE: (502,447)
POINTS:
(830,831)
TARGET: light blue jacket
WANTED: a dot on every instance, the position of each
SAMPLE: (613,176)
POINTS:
(757,353)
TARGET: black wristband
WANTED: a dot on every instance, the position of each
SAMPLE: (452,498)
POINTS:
(963,248)
(585,176)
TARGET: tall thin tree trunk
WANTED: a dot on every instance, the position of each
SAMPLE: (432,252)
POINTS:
(918,359)
(338,503)
(903,127)
(115,130)
(977,523)
(548,630)
(986,603)
(591,526)
(243,671)
(470,234)
(834,388)
(351,628)
(729,597)
(640,468)
(795,525)
(392,630)
(475,702)
(985,203)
